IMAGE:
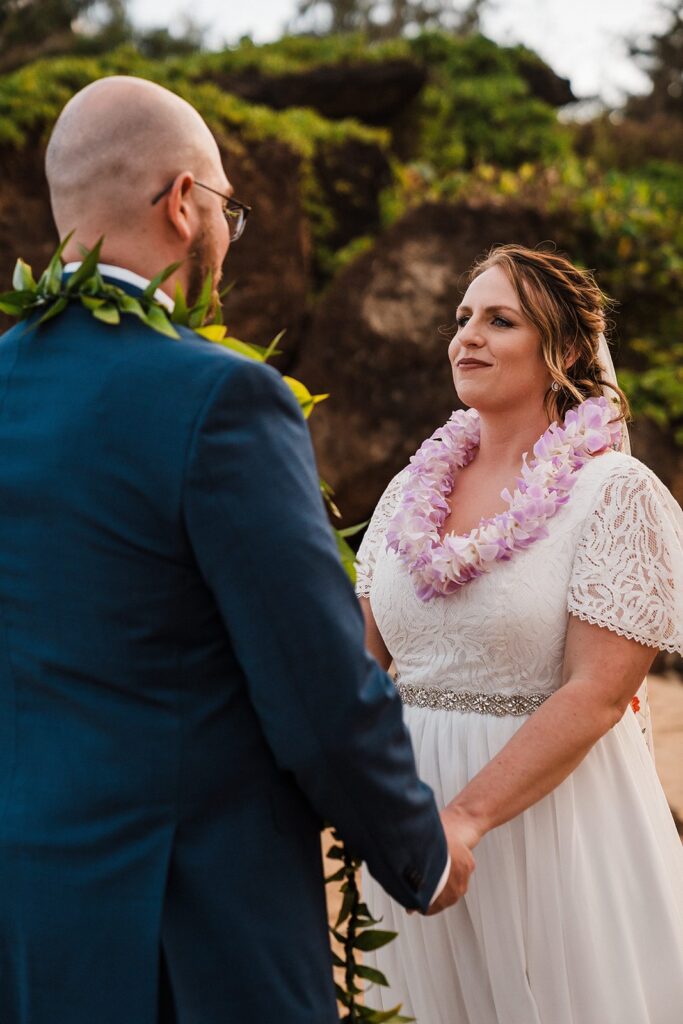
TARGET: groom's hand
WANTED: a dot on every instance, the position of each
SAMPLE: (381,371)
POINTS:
(462,836)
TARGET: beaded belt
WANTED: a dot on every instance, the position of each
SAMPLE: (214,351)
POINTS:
(465,700)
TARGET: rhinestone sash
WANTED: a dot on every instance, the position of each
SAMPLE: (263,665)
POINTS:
(499,704)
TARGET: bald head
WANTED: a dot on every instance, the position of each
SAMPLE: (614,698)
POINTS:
(116,143)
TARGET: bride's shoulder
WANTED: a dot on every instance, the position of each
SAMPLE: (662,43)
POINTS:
(611,465)
(394,489)
(618,480)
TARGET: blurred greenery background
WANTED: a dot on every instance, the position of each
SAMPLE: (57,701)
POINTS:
(383,146)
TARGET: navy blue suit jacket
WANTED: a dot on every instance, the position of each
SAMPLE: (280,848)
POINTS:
(184,692)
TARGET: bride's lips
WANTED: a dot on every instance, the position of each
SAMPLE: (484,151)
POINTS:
(470,364)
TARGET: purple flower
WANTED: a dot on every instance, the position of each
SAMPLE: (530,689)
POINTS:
(441,567)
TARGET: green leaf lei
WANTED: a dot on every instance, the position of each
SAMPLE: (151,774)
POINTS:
(47,298)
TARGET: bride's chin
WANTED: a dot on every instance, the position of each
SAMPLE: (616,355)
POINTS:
(482,400)
(472,393)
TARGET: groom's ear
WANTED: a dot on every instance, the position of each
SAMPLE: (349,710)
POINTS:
(177,206)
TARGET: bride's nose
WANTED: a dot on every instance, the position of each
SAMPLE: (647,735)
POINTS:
(470,334)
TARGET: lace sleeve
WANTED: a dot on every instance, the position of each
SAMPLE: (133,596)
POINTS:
(374,535)
(628,568)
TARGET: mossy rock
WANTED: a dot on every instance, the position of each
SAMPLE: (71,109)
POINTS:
(329,173)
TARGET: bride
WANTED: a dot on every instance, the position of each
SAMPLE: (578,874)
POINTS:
(523,610)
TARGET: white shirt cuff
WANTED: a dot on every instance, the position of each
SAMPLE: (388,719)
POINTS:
(442,881)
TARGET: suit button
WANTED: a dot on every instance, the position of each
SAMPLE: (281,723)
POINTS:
(413,877)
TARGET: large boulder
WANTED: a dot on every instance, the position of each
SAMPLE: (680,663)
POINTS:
(372,91)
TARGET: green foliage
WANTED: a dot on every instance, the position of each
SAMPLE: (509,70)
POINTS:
(293,54)
(32,97)
(360,935)
(477,107)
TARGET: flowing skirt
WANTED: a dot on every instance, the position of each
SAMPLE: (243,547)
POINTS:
(574,913)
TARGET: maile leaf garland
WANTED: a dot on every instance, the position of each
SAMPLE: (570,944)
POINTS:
(40,301)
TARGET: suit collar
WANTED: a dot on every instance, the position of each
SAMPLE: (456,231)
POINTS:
(124,276)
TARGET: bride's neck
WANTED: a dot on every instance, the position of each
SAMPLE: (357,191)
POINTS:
(504,437)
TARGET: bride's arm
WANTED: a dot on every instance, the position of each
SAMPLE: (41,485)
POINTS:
(602,672)
(373,638)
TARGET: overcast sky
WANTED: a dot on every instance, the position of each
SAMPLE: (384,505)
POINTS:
(580,39)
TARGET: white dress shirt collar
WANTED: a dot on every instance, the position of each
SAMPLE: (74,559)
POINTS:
(128,277)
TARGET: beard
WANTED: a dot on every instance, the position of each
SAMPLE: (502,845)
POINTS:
(202,263)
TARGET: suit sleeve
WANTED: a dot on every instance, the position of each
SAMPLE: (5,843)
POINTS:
(331,716)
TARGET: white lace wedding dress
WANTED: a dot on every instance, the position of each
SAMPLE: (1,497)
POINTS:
(574,914)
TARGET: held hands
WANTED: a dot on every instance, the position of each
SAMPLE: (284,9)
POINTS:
(462,835)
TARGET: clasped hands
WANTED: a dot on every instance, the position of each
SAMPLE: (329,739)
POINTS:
(462,835)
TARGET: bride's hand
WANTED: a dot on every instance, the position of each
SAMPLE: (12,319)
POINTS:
(458,822)
(462,836)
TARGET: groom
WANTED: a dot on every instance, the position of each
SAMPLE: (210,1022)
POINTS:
(184,692)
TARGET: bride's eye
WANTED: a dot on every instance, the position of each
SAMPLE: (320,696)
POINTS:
(462,320)
(500,321)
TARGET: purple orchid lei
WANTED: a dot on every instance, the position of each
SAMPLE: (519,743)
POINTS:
(440,566)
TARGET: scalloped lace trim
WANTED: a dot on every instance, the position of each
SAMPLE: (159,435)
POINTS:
(595,620)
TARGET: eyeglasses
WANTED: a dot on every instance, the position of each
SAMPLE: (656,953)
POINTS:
(234,211)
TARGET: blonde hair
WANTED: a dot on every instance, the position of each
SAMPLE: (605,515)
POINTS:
(569,310)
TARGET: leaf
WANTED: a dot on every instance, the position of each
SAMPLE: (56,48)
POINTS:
(87,268)
(374,939)
(347,555)
(351,531)
(388,1017)
(50,281)
(371,974)
(180,310)
(251,351)
(343,996)
(11,308)
(22,278)
(54,310)
(159,279)
(327,494)
(272,349)
(306,400)
(107,313)
(90,302)
(346,907)
(336,877)
(347,996)
(212,332)
(156,319)
(335,853)
(198,313)
(365,917)
(129,304)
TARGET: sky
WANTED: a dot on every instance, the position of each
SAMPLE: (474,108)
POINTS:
(581,39)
